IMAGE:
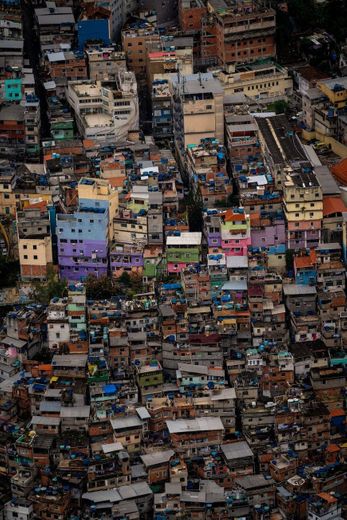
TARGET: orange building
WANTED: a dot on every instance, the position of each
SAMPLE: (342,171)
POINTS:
(190,13)
(244,32)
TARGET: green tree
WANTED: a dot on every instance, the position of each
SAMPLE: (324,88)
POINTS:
(280,107)
(289,260)
(9,272)
(195,207)
(101,288)
(52,287)
(124,279)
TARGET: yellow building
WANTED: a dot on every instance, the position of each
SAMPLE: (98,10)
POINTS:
(264,81)
(303,209)
(8,198)
(34,242)
(98,193)
(35,255)
(128,430)
(336,91)
(198,109)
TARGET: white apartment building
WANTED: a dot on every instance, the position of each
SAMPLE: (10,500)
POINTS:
(105,110)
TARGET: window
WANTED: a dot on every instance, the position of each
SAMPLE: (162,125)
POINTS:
(35,257)
(25,247)
(25,257)
(34,247)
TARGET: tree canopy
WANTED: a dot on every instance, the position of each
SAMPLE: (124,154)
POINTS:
(52,287)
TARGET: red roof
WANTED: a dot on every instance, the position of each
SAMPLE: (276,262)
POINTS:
(301,262)
(327,497)
(333,448)
(332,205)
(338,412)
(161,54)
(42,205)
(229,215)
(339,171)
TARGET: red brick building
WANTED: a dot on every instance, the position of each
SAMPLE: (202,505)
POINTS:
(190,14)
(244,33)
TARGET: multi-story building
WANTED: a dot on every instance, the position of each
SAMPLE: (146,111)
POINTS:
(12,128)
(104,63)
(83,242)
(69,65)
(32,122)
(150,380)
(98,193)
(34,242)
(61,120)
(206,165)
(235,232)
(135,39)
(55,25)
(166,14)
(105,110)
(198,109)
(303,209)
(191,436)
(190,13)
(324,506)
(301,303)
(281,147)
(58,330)
(120,9)
(19,508)
(261,82)
(244,31)
(242,136)
(161,62)
(182,250)
(8,198)
(162,114)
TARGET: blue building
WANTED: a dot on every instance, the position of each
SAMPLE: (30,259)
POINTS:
(305,269)
(93,30)
(13,90)
(83,241)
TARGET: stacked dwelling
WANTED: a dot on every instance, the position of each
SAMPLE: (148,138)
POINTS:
(175,344)
(107,109)
(83,236)
(34,241)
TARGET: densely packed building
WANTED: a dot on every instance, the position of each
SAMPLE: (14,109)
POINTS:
(177,346)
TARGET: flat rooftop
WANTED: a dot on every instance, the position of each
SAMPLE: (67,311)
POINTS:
(305,179)
(98,120)
(282,143)
(204,83)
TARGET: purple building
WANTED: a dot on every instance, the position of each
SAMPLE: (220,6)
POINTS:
(212,227)
(126,258)
(83,243)
(268,233)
